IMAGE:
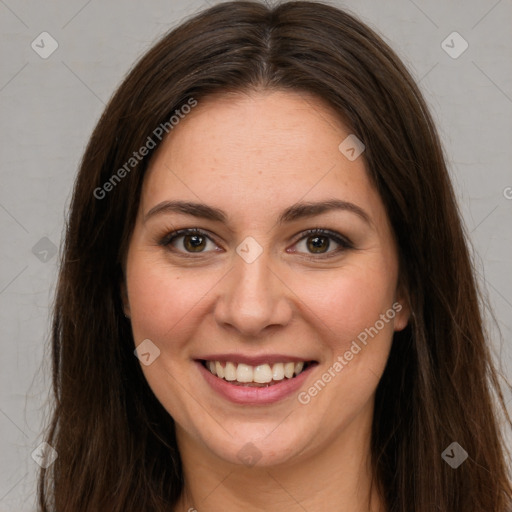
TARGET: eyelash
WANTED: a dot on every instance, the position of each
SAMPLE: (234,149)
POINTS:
(343,242)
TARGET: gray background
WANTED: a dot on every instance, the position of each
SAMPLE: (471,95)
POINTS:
(48,108)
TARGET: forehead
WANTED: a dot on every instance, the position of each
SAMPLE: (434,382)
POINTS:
(265,124)
(244,150)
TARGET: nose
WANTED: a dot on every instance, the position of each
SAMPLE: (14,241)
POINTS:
(253,298)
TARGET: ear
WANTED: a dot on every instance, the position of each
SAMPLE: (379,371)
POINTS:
(124,298)
(402,308)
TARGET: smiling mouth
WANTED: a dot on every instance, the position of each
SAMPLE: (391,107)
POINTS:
(263,375)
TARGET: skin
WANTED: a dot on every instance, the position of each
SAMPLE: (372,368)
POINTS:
(253,155)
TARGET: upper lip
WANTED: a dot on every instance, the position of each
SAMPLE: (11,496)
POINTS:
(254,360)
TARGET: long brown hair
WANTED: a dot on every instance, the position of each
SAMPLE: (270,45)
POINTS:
(115,442)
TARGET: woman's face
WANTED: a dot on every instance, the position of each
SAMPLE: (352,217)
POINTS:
(252,291)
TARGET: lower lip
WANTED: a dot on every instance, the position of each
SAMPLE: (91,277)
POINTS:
(248,395)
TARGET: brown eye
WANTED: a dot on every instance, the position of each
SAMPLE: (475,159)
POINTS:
(188,241)
(194,243)
(320,241)
(318,244)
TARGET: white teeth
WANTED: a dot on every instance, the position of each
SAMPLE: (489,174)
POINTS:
(261,374)
(230,371)
(244,373)
(219,370)
(278,371)
(289,369)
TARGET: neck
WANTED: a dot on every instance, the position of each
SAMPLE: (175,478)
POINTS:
(335,476)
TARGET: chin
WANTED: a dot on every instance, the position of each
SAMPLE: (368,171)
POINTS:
(258,445)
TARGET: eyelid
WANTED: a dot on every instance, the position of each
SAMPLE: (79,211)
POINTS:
(342,241)
(339,239)
(169,237)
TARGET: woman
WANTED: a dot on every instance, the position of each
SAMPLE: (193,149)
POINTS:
(264,218)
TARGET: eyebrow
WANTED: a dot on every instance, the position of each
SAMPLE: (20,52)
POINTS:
(297,211)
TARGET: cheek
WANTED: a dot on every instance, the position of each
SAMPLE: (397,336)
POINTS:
(351,301)
(355,311)
(163,298)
